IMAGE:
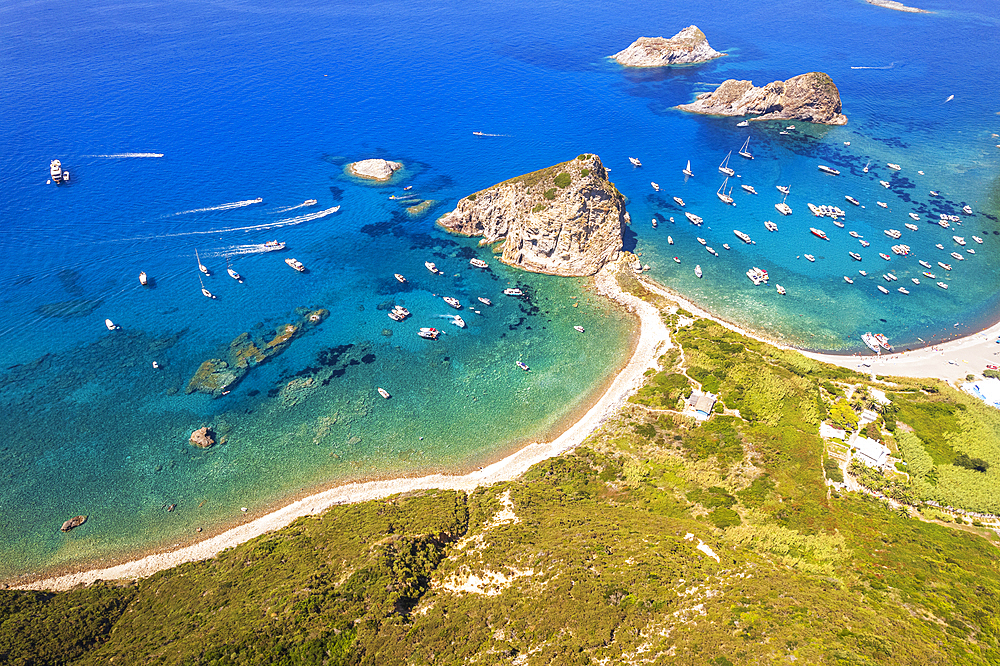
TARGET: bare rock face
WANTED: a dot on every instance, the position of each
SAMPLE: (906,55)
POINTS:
(203,438)
(564,220)
(374,169)
(811,97)
(686,47)
(72,523)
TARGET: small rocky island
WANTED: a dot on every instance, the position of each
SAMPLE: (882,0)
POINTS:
(898,6)
(811,97)
(375,169)
(567,219)
(687,47)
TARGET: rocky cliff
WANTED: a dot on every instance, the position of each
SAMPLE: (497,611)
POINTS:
(811,97)
(686,47)
(564,220)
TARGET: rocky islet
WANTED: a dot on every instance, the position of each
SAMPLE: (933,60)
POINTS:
(811,97)
(687,47)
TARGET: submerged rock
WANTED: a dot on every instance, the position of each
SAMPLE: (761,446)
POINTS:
(375,169)
(811,97)
(687,47)
(567,219)
(72,523)
(203,438)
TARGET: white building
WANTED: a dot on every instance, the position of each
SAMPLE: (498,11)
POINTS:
(872,453)
(827,431)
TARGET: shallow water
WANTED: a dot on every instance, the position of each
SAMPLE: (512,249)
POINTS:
(247,100)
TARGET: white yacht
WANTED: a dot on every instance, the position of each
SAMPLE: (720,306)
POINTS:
(656,187)
(453,302)
(635,161)
(697,270)
(694,218)
(829,170)
(770,226)
(749,188)
(478,263)
(679,201)
(742,236)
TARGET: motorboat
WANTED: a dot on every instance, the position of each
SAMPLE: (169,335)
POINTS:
(855,256)
(852,200)
(742,236)
(809,257)
(695,219)
(400,278)
(635,161)
(725,246)
(112,326)
(942,285)
(749,188)
(944,224)
(143,280)
(724,167)
(745,150)
(296,264)
(872,343)
(967,210)
(429,265)
(272,245)
(883,289)
(309,202)
(911,227)
(687,170)
(701,240)
(814,210)
(889,277)
(697,270)
(945,266)
(884,183)
(783,188)
(711,251)
(523,366)
(579,328)
(958,239)
(429,333)
(453,302)
(847,143)
(914,280)
(939,246)
(884,256)
(894,167)
(935,194)
(790,127)
(781,290)
(232,273)
(458,321)
(655,186)
(978,239)
(478,263)
(770,226)
(485,301)
(818,233)
(957,256)
(929,275)
(924,263)
(758,275)
(655,223)
(513,291)
(848,280)
(914,217)
(863,273)
(56,173)
(829,170)
(863,242)
(201,266)
(854,234)
(206,293)
(382,392)
(679,201)
(882,204)
(892,233)
(670,240)
(743,123)
(677,260)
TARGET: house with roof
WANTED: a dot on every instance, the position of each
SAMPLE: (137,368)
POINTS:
(870,452)
(700,405)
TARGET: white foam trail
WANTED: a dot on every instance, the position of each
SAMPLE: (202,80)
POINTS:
(485,134)
(228,206)
(287,222)
(122,155)
(889,66)
(287,209)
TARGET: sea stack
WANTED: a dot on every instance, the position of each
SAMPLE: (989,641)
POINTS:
(811,97)
(687,47)
(375,169)
(567,219)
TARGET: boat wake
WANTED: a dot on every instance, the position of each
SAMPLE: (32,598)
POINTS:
(123,155)
(487,134)
(288,209)
(889,66)
(228,206)
(287,222)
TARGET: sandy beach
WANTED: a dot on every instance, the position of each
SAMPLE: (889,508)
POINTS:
(654,339)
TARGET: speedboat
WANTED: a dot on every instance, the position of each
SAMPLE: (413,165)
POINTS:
(818,233)
(697,270)
(579,328)
(770,226)
(635,161)
(855,256)
(429,333)
(694,218)
(382,392)
(458,321)
(847,143)
(967,210)
(958,239)
(431,267)
(914,216)
(848,280)
(453,302)
(882,204)
(112,326)
(742,236)
(523,366)
(854,234)
(809,257)
(680,202)
(478,263)
(957,256)
(884,256)
(894,167)
(884,184)
(883,289)
(942,285)
(296,264)
(911,227)
(978,239)
(872,343)
(863,242)
(852,200)
(935,194)
(924,263)
(749,188)
(701,240)
(892,233)
(485,301)
(781,290)
(399,277)
(945,266)
(143,280)
(655,186)
(309,202)
(513,291)
(829,170)
(272,245)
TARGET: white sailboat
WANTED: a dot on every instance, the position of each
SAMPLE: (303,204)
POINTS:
(687,170)
(723,195)
(205,292)
(201,266)
(782,207)
(232,273)
(745,150)
(724,167)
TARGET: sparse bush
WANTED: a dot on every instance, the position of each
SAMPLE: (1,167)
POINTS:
(550,194)
(563,180)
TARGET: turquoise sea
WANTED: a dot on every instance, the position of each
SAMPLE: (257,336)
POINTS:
(252,99)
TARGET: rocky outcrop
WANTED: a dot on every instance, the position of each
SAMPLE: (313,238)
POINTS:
(203,438)
(374,169)
(567,219)
(72,523)
(217,376)
(898,6)
(811,97)
(687,47)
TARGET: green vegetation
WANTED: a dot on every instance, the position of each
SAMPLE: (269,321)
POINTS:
(471,197)
(584,172)
(601,563)
(563,180)
(539,208)
(550,194)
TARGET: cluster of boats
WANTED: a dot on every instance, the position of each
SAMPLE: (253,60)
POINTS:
(826,211)
(876,342)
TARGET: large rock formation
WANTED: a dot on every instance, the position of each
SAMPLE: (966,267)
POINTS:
(375,169)
(686,47)
(563,220)
(811,97)
(73,523)
(203,438)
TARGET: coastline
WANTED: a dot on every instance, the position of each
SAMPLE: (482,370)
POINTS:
(652,340)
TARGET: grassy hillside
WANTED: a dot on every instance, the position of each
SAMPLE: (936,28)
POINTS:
(606,555)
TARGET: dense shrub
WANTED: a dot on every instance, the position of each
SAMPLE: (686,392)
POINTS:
(563,180)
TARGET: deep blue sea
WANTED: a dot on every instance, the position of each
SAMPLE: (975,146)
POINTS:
(253,99)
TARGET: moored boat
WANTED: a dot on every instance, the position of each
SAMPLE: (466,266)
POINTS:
(883,341)
(478,263)
(781,290)
(523,366)
(709,249)
(453,302)
(400,278)
(848,280)
(914,280)
(579,328)
(112,326)
(894,167)
(742,236)
(143,280)
(892,233)
(687,170)
(201,266)
(914,216)
(749,188)
(929,275)
(656,187)
(882,204)
(677,260)
(670,240)
(904,290)
(382,392)
(818,233)
(758,275)
(855,256)
(701,240)
(783,208)
(911,227)
(770,226)
(942,285)
(883,289)
(958,239)
(724,167)
(484,301)
(635,161)
(513,291)
(429,265)
(697,270)
(783,188)
(852,200)
(957,256)
(695,219)
(924,263)
(854,234)
(884,184)
(935,194)
(945,266)
(745,150)
(233,274)
(654,222)
(829,170)
(863,242)
(429,333)
(967,210)
(809,257)
(872,343)
(978,239)
(866,167)
(723,195)
(884,256)
(679,201)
